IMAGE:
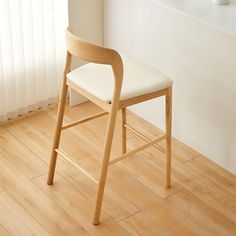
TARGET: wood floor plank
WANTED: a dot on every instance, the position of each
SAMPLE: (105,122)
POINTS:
(43,209)
(167,218)
(114,205)
(212,194)
(79,207)
(80,111)
(208,218)
(182,173)
(217,174)
(180,151)
(88,108)
(180,214)
(20,156)
(16,221)
(136,202)
(3,231)
(148,174)
(40,128)
(136,225)
(95,130)
(162,219)
(119,181)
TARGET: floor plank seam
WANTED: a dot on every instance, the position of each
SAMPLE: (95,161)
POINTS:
(197,155)
(20,171)
(135,213)
(5,230)
(38,176)
(26,146)
(75,186)
(172,194)
(38,156)
(26,210)
(202,194)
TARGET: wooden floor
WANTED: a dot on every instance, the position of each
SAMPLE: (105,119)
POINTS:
(201,202)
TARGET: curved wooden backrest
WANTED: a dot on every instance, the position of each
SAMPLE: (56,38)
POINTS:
(87,51)
(92,53)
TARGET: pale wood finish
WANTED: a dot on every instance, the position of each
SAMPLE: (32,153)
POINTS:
(168,136)
(89,96)
(76,165)
(139,149)
(143,137)
(201,201)
(59,121)
(84,120)
(118,73)
(96,54)
(16,220)
(142,98)
(124,135)
(89,52)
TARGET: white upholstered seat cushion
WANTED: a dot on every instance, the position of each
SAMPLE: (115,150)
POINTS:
(138,79)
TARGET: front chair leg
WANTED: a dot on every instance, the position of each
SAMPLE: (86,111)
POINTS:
(57,134)
(105,164)
(168,136)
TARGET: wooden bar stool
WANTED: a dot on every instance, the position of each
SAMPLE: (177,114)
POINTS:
(113,86)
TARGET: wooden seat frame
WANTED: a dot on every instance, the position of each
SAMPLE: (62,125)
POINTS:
(95,54)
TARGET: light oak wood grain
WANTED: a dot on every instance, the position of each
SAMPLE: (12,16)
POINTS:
(95,129)
(115,205)
(135,225)
(20,156)
(59,120)
(179,150)
(88,52)
(210,192)
(122,178)
(201,202)
(3,231)
(208,218)
(78,207)
(212,171)
(41,128)
(182,174)
(147,174)
(43,209)
(16,220)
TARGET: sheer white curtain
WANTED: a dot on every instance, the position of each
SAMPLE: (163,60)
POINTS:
(32,50)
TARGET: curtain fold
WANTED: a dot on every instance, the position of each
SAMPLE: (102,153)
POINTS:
(32,52)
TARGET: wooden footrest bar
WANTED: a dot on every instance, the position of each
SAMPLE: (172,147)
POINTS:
(84,120)
(144,138)
(128,154)
(62,154)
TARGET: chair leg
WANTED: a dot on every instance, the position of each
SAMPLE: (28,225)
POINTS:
(168,136)
(105,164)
(124,143)
(57,134)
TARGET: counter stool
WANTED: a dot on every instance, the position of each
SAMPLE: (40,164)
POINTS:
(112,82)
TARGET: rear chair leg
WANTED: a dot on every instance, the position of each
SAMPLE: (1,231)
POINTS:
(57,134)
(168,136)
(124,149)
(60,114)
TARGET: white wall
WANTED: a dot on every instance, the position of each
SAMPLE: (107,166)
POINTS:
(86,20)
(202,63)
